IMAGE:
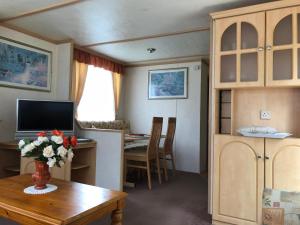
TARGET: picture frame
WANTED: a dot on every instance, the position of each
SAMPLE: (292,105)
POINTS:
(24,66)
(168,83)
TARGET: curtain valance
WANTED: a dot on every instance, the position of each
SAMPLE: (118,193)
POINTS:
(88,58)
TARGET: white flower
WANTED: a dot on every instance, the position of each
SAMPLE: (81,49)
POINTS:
(61,151)
(70,155)
(37,142)
(61,163)
(51,162)
(27,148)
(21,144)
(57,139)
(43,139)
(48,151)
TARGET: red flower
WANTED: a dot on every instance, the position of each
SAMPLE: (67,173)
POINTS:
(57,133)
(41,134)
(66,142)
(73,141)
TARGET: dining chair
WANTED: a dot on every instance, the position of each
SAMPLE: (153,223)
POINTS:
(141,158)
(167,150)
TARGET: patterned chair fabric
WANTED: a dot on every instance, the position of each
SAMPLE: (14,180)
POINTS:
(112,125)
(281,205)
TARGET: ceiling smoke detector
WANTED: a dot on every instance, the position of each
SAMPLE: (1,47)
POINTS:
(151,50)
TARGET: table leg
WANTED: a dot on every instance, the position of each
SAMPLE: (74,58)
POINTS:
(117,217)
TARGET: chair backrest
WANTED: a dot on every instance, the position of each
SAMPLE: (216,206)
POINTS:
(154,140)
(168,145)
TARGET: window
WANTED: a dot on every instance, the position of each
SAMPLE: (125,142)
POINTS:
(97,102)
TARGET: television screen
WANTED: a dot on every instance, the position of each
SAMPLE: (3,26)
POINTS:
(35,115)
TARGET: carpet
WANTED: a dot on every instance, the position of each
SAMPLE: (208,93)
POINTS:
(180,201)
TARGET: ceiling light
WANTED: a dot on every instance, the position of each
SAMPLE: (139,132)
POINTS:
(151,50)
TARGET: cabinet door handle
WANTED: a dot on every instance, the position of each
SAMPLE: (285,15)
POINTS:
(259,157)
(260,49)
(268,47)
(267,157)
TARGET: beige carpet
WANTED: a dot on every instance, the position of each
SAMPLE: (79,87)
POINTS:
(180,201)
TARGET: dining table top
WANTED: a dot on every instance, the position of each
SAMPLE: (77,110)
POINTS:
(137,140)
(134,137)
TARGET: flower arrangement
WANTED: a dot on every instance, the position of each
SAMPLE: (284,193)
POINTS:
(53,151)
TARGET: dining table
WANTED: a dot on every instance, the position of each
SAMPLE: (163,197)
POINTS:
(133,140)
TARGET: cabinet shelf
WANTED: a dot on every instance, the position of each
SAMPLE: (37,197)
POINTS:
(79,166)
(15,169)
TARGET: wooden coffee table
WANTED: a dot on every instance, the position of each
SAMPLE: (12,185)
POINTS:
(73,203)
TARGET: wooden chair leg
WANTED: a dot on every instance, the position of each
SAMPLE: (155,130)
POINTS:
(173,164)
(165,167)
(149,175)
(158,168)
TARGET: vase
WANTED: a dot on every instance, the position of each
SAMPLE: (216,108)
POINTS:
(41,176)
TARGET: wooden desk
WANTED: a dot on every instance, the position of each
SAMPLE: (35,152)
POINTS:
(72,204)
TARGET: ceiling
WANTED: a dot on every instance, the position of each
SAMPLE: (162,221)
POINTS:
(121,29)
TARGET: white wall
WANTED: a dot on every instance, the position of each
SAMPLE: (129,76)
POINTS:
(59,84)
(139,111)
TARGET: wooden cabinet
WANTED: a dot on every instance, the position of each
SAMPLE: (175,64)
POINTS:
(282,164)
(82,169)
(245,48)
(243,167)
(63,173)
(238,179)
(283,47)
(239,52)
(253,48)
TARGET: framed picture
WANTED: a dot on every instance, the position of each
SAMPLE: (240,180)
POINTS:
(168,83)
(23,66)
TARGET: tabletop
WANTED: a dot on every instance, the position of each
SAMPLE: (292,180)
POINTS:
(70,202)
(137,140)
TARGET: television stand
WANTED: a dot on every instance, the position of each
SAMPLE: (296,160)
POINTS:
(82,169)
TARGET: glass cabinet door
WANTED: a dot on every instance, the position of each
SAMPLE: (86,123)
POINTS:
(283,47)
(240,51)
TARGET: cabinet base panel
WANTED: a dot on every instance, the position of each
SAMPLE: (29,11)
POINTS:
(215,222)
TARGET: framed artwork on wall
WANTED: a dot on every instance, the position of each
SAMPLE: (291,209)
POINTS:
(24,66)
(168,83)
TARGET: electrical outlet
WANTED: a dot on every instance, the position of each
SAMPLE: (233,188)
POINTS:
(265,115)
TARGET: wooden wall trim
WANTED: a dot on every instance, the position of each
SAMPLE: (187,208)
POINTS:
(199,29)
(255,8)
(32,34)
(174,60)
(40,10)
(211,118)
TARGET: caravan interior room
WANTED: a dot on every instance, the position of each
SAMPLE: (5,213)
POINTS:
(149,112)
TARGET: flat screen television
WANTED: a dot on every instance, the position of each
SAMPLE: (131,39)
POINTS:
(42,115)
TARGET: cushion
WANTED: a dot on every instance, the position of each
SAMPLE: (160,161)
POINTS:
(288,201)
